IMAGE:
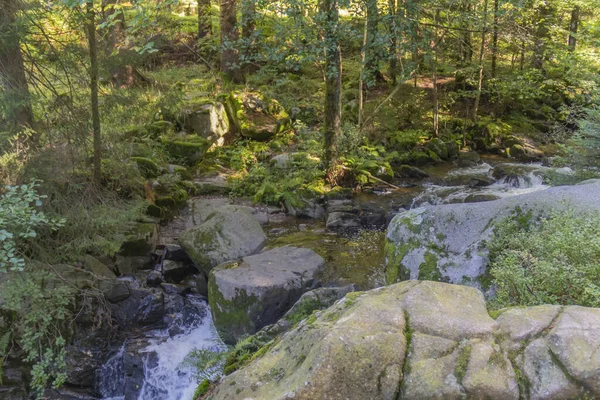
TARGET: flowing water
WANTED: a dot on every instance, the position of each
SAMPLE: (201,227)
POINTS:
(358,258)
(168,374)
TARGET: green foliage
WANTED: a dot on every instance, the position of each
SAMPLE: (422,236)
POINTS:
(553,260)
(20,220)
(42,308)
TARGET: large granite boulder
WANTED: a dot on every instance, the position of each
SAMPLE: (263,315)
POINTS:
(256,116)
(248,295)
(228,233)
(424,340)
(207,119)
(448,242)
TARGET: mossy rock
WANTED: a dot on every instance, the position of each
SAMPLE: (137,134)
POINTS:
(255,116)
(141,239)
(206,118)
(148,168)
(439,148)
(188,149)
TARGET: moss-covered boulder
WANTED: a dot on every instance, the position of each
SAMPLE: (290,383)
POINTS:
(206,118)
(141,239)
(185,149)
(249,294)
(448,242)
(228,233)
(148,168)
(255,116)
(425,340)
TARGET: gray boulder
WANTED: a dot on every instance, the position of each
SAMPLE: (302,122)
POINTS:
(248,295)
(208,120)
(228,233)
(447,242)
(426,340)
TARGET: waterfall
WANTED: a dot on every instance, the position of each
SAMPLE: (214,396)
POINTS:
(166,373)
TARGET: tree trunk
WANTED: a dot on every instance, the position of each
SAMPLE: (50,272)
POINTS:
(248,28)
(434,65)
(466,37)
(93,48)
(204,22)
(333,80)
(371,71)
(361,80)
(12,69)
(573,27)
(394,32)
(495,38)
(541,36)
(481,53)
(230,58)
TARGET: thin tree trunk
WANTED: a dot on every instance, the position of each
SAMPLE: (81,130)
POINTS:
(573,27)
(371,72)
(394,10)
(434,65)
(541,36)
(522,60)
(230,58)
(333,80)
(361,80)
(466,37)
(12,68)
(248,28)
(204,22)
(481,53)
(495,38)
(93,48)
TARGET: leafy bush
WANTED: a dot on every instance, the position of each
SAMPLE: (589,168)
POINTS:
(20,219)
(554,260)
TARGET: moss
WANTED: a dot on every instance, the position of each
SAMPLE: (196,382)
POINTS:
(428,270)
(232,317)
(395,271)
(188,149)
(148,168)
(462,362)
(304,311)
(202,389)
(140,239)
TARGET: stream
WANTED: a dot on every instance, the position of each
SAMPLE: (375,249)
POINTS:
(351,257)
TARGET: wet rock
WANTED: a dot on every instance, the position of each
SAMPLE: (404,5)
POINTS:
(197,284)
(229,233)
(171,288)
(175,253)
(82,363)
(342,220)
(305,208)
(480,197)
(406,171)
(476,182)
(468,158)
(176,271)
(118,291)
(130,265)
(341,206)
(447,242)
(248,295)
(96,267)
(154,278)
(144,307)
(141,240)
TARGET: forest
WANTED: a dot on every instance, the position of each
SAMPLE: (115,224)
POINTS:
(160,160)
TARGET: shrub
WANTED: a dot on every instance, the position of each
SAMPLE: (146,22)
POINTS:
(553,260)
